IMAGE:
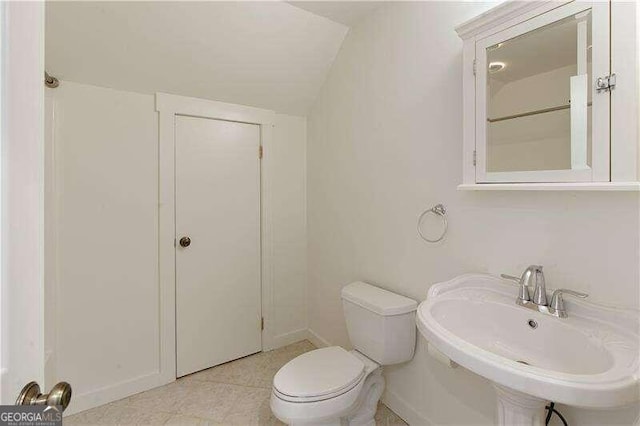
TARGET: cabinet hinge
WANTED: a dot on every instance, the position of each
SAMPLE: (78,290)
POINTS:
(260,152)
(474,157)
(475,64)
(262,323)
(606,83)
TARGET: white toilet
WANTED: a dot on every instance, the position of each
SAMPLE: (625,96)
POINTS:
(331,386)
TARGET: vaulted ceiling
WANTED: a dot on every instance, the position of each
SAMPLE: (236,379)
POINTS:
(345,12)
(271,55)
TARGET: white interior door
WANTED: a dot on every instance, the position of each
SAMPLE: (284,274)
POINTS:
(218,301)
(22,107)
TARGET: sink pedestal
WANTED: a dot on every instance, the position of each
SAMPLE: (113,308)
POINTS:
(517,408)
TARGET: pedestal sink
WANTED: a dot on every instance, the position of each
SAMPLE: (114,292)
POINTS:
(589,359)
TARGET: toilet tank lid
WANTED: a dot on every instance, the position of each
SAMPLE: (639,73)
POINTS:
(377,300)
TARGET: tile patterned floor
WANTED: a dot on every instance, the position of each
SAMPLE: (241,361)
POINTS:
(235,393)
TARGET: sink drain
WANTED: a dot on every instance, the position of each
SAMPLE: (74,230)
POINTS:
(532,323)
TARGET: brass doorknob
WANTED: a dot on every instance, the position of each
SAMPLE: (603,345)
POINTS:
(185,241)
(60,395)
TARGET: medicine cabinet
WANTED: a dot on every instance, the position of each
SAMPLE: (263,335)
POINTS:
(539,87)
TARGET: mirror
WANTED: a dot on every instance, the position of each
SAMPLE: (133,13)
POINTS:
(538,98)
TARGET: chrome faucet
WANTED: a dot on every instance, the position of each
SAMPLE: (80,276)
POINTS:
(539,301)
(539,292)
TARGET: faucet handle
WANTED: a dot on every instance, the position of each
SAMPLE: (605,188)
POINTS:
(557,302)
(524,289)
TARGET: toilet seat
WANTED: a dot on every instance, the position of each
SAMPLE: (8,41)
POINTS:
(319,375)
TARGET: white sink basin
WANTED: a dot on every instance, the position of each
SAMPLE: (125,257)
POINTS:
(589,359)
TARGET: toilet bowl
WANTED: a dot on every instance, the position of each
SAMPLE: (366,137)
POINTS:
(325,385)
(333,386)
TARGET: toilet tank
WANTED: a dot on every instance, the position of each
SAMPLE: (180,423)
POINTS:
(381,324)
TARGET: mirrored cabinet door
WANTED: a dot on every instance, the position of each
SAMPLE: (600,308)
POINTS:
(539,114)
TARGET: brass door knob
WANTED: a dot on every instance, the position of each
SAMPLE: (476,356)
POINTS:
(185,241)
(60,395)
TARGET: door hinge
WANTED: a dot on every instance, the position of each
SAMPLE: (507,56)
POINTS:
(475,64)
(262,323)
(606,83)
(474,157)
(260,152)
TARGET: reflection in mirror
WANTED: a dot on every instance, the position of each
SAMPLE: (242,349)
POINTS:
(539,115)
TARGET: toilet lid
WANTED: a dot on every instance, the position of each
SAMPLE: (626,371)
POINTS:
(321,372)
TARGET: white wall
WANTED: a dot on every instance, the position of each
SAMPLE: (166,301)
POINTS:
(106,240)
(289,224)
(385,142)
(106,228)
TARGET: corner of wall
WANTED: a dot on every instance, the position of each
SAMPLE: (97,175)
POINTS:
(317,340)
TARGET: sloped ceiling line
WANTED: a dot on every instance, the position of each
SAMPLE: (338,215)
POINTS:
(266,54)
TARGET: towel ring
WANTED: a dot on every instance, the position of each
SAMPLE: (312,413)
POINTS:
(440,211)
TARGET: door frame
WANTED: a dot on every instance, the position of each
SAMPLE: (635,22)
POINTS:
(168,107)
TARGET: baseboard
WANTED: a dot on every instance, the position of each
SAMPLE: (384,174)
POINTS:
(121,390)
(403,409)
(289,338)
(115,392)
(317,340)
